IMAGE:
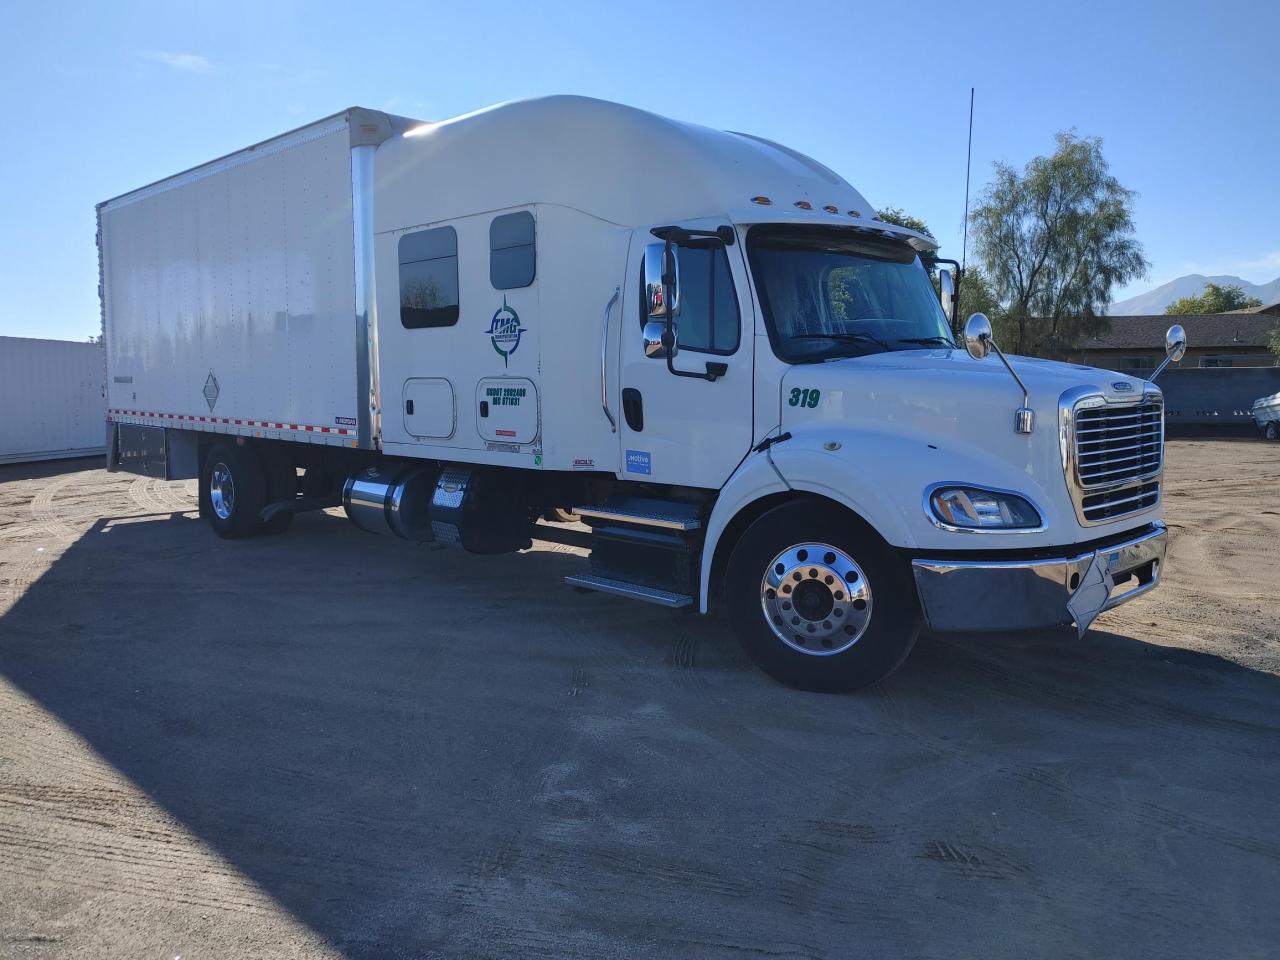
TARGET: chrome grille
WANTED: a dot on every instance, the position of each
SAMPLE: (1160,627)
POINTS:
(1118,455)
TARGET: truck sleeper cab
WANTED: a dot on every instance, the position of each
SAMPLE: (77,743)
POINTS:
(703,348)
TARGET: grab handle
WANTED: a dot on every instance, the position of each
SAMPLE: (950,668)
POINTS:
(604,361)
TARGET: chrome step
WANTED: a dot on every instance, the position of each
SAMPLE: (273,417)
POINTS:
(636,592)
(643,518)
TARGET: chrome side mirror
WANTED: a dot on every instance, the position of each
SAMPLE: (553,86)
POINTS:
(947,294)
(979,342)
(654,331)
(1175,348)
(977,335)
(655,292)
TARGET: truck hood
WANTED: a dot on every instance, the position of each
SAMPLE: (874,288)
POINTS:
(951,419)
(937,388)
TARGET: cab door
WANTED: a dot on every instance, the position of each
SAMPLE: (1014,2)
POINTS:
(688,430)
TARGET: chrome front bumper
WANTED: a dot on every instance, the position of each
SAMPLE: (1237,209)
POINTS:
(971,595)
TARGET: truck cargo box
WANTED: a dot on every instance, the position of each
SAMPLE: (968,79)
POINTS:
(233,298)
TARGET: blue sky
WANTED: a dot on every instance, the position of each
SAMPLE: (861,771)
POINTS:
(100,98)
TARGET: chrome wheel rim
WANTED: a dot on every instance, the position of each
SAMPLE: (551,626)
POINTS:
(222,491)
(816,599)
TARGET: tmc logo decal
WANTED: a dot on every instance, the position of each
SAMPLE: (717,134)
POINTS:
(1123,386)
(505,332)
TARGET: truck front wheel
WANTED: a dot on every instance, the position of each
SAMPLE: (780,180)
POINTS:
(236,488)
(819,601)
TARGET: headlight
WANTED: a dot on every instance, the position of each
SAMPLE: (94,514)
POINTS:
(972,508)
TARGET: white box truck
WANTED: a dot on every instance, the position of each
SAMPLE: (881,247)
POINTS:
(703,344)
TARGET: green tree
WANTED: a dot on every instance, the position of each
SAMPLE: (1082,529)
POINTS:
(975,291)
(1275,341)
(1055,239)
(1214,299)
(897,215)
(976,297)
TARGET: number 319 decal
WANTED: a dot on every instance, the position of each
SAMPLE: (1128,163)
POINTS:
(804,398)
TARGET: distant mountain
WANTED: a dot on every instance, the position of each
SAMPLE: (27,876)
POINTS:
(1192,285)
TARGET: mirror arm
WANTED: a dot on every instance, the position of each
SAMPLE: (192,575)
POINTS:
(1024,420)
(957,272)
(957,280)
(724,234)
(1026,395)
(1168,359)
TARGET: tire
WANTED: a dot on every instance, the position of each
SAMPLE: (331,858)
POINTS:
(851,617)
(282,484)
(1272,432)
(235,486)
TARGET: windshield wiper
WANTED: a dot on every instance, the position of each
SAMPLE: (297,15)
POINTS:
(937,341)
(856,337)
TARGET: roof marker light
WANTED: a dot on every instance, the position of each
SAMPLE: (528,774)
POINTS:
(804,204)
(831,208)
(763,201)
(855,213)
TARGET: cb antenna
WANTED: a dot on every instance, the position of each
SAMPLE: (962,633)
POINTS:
(968,161)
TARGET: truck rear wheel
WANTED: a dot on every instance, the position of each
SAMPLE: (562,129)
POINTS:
(236,489)
(1272,431)
(819,601)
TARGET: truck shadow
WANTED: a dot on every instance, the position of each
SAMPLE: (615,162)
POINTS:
(421,752)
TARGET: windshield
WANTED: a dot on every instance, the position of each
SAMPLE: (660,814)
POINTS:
(835,292)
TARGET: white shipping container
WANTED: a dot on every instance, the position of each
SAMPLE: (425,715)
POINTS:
(52,395)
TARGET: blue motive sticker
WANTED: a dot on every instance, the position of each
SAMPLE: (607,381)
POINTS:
(638,462)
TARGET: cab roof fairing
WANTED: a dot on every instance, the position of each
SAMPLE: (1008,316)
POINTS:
(620,164)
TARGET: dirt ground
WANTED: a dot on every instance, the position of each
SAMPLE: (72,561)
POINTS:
(330,744)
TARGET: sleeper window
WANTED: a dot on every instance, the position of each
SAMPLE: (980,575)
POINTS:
(512,258)
(429,278)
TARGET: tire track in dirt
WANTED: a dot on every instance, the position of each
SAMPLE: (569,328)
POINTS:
(17,575)
(163,874)
(158,496)
(541,782)
(973,862)
(46,516)
(1152,814)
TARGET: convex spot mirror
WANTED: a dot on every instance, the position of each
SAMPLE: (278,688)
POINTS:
(1175,343)
(977,336)
(654,331)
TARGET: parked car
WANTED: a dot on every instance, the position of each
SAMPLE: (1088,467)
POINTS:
(1266,416)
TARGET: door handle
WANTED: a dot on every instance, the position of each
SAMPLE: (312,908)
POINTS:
(408,408)
(633,408)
